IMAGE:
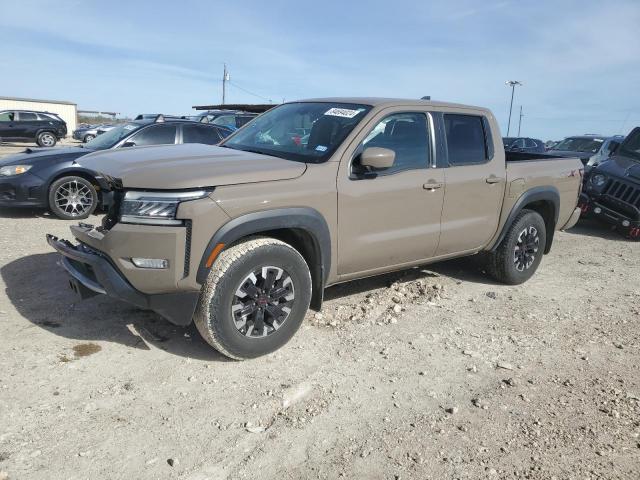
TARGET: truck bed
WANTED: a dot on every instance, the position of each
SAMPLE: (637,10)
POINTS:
(522,156)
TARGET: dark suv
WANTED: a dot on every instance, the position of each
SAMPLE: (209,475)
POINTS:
(44,128)
(612,191)
(56,179)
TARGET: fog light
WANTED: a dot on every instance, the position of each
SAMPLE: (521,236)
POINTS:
(157,263)
(625,223)
(597,210)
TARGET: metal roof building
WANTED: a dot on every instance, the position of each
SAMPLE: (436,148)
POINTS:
(66,110)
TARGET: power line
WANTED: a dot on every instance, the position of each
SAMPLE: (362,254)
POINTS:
(249,92)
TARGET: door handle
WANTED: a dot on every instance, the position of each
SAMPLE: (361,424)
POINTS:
(492,179)
(431,186)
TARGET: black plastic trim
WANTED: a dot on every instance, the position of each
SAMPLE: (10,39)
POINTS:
(177,307)
(303,218)
(536,194)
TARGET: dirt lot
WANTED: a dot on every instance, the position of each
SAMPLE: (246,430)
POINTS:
(464,379)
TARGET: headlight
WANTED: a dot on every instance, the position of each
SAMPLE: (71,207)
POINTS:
(13,170)
(155,208)
(598,180)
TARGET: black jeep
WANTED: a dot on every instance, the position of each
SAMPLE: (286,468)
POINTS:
(44,128)
(612,192)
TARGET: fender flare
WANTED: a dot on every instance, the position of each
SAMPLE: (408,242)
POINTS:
(301,218)
(547,193)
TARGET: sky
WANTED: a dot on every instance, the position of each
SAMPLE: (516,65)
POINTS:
(579,61)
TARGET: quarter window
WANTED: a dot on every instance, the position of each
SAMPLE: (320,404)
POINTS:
(200,134)
(465,139)
(407,135)
(155,135)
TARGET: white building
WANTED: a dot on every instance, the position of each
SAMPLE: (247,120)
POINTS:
(68,111)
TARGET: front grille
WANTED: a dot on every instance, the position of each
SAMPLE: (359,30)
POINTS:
(624,192)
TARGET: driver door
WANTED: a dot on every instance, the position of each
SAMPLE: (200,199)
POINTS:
(390,217)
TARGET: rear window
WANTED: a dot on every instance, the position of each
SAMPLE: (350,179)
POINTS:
(465,139)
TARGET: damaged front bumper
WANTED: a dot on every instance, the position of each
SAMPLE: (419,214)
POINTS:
(92,273)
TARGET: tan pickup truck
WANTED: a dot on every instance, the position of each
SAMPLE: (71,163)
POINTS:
(243,237)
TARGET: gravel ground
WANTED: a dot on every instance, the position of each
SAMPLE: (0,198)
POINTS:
(430,373)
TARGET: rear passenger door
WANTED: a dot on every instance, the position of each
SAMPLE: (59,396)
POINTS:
(475,180)
(389,217)
(26,125)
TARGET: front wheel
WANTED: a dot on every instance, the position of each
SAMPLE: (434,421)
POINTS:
(46,139)
(255,298)
(72,198)
(519,254)
(88,138)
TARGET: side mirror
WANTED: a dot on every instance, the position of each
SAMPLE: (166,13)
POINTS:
(377,157)
(128,144)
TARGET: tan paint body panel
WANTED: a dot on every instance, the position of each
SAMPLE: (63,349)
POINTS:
(189,165)
(379,225)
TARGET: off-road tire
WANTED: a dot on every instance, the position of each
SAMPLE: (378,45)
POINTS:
(88,138)
(213,316)
(46,139)
(501,263)
(85,185)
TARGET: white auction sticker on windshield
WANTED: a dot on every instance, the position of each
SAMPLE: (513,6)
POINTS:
(342,112)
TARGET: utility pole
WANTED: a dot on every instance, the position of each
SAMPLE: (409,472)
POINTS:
(225,79)
(520,120)
(512,84)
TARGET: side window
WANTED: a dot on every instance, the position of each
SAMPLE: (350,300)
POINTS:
(530,143)
(155,135)
(407,135)
(6,117)
(200,134)
(27,117)
(465,139)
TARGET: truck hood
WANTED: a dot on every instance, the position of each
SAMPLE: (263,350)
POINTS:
(620,166)
(49,155)
(189,165)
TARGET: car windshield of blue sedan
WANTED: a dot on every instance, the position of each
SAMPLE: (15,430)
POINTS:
(109,138)
(303,131)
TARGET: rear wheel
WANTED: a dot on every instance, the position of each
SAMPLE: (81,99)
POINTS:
(519,254)
(72,198)
(46,139)
(255,298)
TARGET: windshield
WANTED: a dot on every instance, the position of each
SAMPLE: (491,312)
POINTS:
(304,132)
(580,144)
(109,138)
(631,145)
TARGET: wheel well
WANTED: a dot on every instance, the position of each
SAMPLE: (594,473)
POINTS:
(547,211)
(82,174)
(305,243)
